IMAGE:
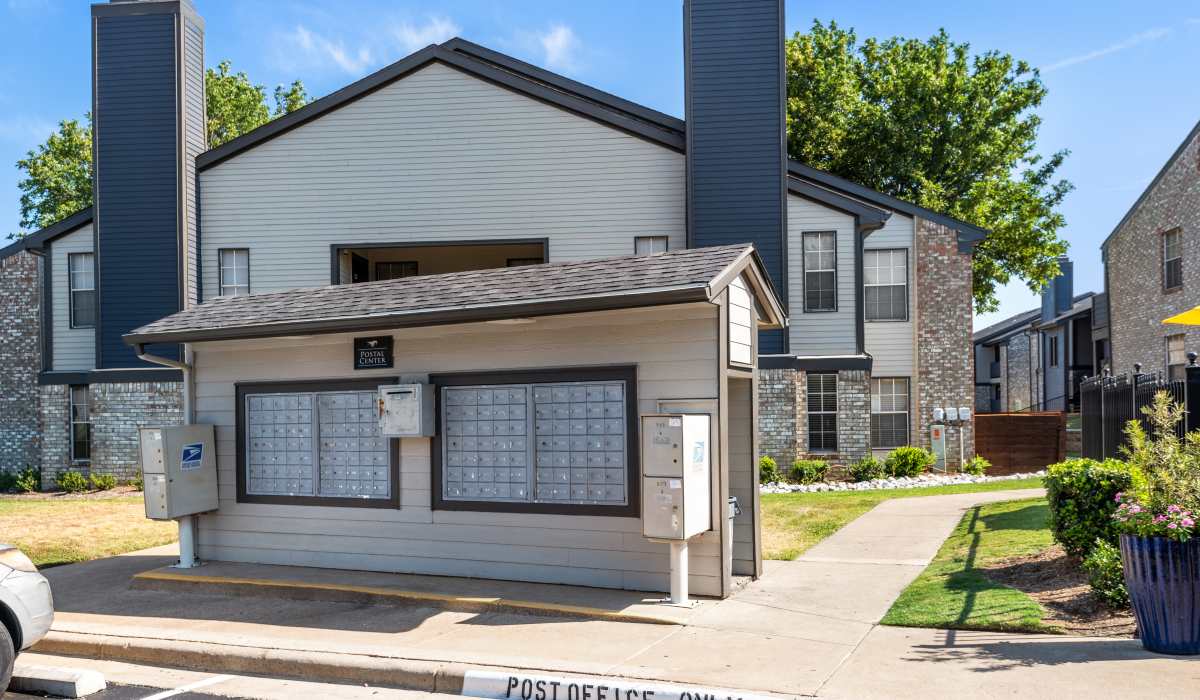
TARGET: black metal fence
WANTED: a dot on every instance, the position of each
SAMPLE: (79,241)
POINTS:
(1107,403)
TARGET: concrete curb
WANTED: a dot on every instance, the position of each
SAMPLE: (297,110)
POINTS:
(328,667)
(163,580)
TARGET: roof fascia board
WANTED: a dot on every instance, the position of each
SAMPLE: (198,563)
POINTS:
(870,218)
(36,240)
(827,363)
(1194,133)
(750,262)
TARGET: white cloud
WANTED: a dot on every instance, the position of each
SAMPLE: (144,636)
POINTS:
(435,30)
(1127,43)
(560,48)
(320,51)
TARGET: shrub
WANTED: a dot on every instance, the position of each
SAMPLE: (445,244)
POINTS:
(809,471)
(29,480)
(867,468)
(1170,465)
(136,482)
(976,466)
(8,481)
(1082,495)
(909,461)
(1103,567)
(768,471)
(103,482)
(71,482)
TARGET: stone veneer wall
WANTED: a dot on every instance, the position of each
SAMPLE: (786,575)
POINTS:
(20,361)
(783,423)
(1018,371)
(983,398)
(1133,263)
(118,410)
(944,359)
(777,414)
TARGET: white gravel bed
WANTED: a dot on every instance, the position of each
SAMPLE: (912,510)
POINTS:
(904,482)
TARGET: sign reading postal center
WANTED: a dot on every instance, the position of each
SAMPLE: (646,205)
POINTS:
(373,353)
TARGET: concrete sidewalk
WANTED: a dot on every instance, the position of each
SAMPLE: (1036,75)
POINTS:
(806,627)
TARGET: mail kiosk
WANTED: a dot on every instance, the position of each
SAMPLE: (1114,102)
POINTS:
(676,487)
(179,470)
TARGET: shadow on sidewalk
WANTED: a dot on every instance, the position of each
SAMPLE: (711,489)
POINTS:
(987,652)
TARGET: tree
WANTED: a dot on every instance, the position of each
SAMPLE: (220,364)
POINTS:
(927,122)
(57,179)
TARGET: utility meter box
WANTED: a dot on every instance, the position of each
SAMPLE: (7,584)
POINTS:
(179,470)
(677,476)
(406,410)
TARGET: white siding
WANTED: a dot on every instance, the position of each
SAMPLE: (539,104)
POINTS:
(73,348)
(891,343)
(438,155)
(675,349)
(822,333)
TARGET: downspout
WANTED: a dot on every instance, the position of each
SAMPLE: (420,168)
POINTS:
(187,524)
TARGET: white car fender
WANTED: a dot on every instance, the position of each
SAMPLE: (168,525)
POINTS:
(27,596)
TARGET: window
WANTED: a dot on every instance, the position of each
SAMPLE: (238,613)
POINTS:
(820,271)
(235,272)
(1176,356)
(82,280)
(557,441)
(395,270)
(522,262)
(822,412)
(81,425)
(1052,351)
(1173,259)
(885,278)
(314,443)
(889,411)
(646,245)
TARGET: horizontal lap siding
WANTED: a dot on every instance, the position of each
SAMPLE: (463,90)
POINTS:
(741,473)
(437,156)
(821,333)
(890,343)
(73,348)
(676,353)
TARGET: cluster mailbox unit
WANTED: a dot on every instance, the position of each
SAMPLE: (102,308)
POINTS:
(676,487)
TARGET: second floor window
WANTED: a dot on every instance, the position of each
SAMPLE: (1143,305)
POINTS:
(1173,259)
(235,272)
(82,279)
(1052,351)
(646,245)
(1176,356)
(885,280)
(820,271)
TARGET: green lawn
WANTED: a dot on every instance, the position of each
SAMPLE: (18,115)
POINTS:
(953,594)
(793,522)
(54,530)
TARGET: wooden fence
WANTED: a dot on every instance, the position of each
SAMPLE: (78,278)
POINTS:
(1021,442)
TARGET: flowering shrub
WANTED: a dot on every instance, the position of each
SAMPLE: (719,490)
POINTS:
(1174,522)
(1170,464)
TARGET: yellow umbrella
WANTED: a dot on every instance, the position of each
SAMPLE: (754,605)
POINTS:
(1187,318)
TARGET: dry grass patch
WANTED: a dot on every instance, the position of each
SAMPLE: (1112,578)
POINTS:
(62,529)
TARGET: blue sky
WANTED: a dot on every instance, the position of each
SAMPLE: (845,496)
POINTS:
(1121,75)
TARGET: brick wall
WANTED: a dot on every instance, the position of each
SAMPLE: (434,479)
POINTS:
(777,414)
(1137,301)
(20,361)
(944,358)
(783,416)
(56,432)
(1018,372)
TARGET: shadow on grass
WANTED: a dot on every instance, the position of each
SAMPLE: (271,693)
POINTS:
(1035,516)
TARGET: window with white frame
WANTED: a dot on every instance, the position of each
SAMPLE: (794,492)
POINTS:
(1172,259)
(885,282)
(822,412)
(81,425)
(314,445)
(647,245)
(235,271)
(560,444)
(81,273)
(1177,356)
(820,271)
(889,411)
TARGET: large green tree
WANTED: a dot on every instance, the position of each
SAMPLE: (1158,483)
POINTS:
(57,180)
(930,123)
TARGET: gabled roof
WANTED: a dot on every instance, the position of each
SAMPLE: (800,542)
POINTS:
(679,277)
(1193,134)
(588,102)
(996,331)
(36,240)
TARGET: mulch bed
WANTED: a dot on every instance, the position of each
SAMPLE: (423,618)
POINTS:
(1057,582)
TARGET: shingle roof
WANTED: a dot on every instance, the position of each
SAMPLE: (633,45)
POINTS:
(683,276)
(1080,302)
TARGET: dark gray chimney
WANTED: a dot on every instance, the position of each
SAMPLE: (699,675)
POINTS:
(736,153)
(1059,296)
(148,113)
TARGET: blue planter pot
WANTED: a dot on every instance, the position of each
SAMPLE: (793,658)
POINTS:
(1163,578)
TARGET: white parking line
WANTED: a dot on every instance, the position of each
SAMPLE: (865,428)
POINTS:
(212,680)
